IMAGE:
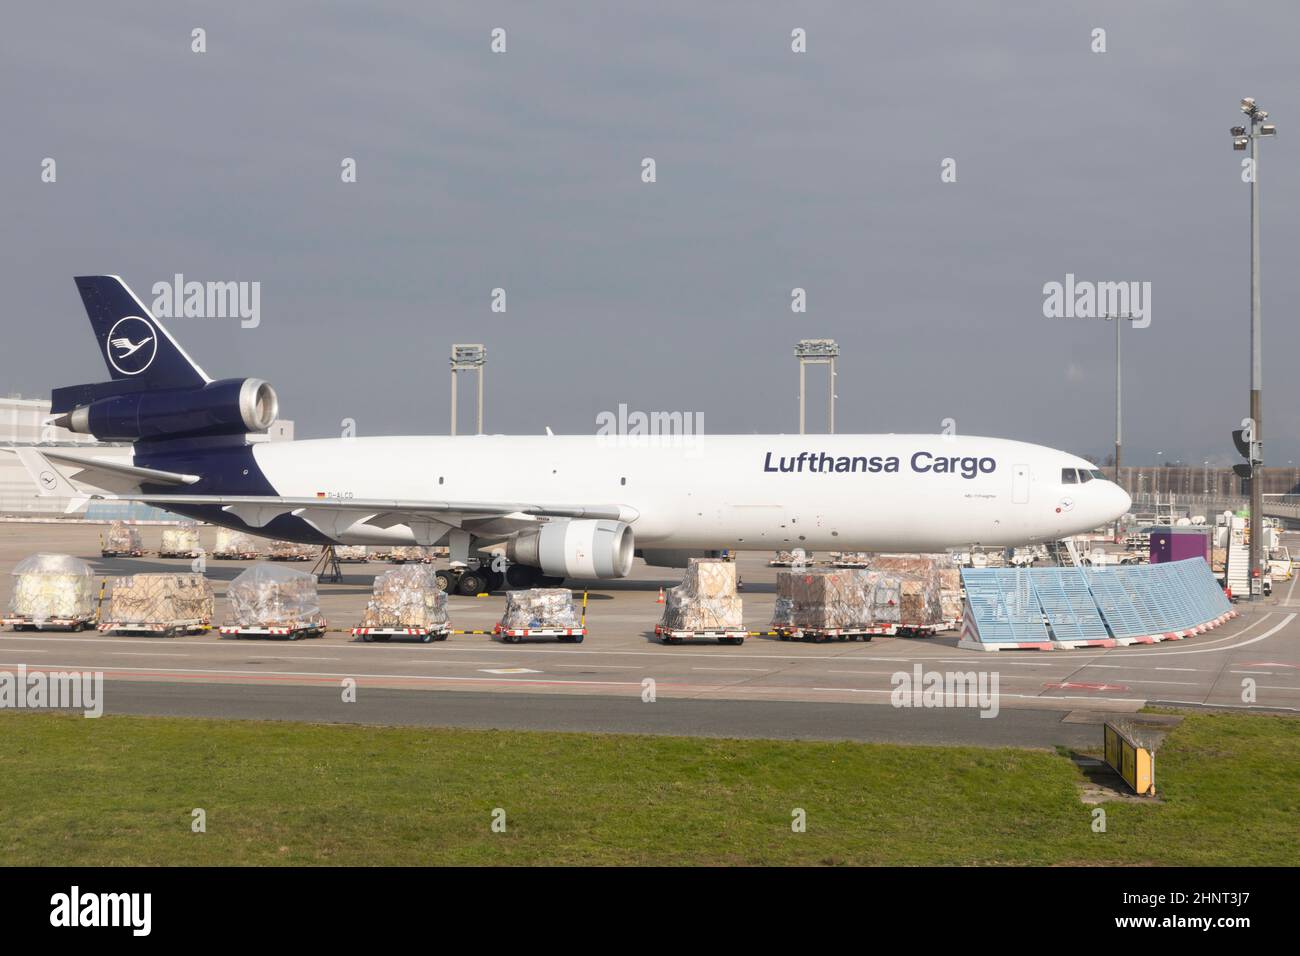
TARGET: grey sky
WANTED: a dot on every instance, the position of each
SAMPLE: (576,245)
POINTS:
(775,170)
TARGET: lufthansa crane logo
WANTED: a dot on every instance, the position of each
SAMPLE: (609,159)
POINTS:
(132,344)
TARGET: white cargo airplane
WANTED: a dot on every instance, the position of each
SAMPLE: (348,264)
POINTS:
(557,506)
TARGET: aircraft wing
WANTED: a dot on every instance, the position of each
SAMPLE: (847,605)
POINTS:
(430,521)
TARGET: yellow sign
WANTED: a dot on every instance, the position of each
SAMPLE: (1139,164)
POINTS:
(1135,764)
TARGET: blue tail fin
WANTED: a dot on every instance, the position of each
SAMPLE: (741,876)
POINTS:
(135,345)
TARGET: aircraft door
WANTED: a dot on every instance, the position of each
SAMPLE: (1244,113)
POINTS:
(1020,484)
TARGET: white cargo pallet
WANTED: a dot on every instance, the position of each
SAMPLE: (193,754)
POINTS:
(425,634)
(722,636)
(512,635)
(62,623)
(292,632)
(169,630)
(819,634)
(926,630)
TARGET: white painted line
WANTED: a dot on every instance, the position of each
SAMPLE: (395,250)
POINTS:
(416,660)
(219,672)
(1118,700)
(967,660)
(1178,668)
(754,670)
(147,654)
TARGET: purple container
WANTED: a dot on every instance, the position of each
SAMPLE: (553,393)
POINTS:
(1178,543)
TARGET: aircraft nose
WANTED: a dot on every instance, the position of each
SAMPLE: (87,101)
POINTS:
(1122,499)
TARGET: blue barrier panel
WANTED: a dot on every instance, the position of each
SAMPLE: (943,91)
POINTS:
(1068,605)
(1004,605)
(1185,606)
(1115,603)
(1158,599)
(1151,603)
(1204,587)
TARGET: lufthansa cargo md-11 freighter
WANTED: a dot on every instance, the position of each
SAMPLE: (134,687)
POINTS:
(555,506)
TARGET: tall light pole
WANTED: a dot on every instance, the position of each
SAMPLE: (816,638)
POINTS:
(1119,321)
(1244,137)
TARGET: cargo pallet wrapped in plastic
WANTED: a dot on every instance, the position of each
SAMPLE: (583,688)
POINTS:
(275,601)
(180,542)
(410,554)
(121,539)
(541,612)
(351,553)
(705,604)
(950,595)
(926,583)
(822,603)
(290,551)
(234,545)
(166,604)
(405,601)
(52,591)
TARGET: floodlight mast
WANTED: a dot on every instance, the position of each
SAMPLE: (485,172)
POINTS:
(1244,137)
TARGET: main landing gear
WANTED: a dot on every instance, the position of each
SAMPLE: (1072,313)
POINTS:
(479,579)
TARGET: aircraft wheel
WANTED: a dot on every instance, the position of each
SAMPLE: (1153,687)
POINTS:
(471,583)
(521,576)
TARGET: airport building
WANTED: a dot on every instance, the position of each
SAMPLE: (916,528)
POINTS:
(23,421)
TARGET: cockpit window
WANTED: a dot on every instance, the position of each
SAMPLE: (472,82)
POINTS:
(1098,473)
(1068,476)
(1085,476)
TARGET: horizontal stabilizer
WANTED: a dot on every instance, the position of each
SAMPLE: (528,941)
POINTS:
(50,482)
(108,474)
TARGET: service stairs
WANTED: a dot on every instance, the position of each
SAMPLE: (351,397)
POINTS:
(1238,564)
(1064,553)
